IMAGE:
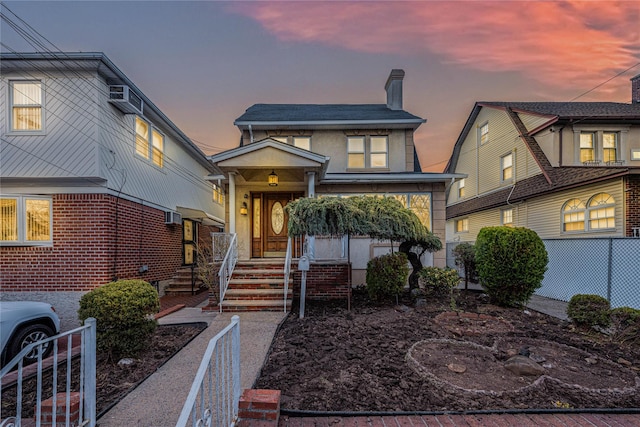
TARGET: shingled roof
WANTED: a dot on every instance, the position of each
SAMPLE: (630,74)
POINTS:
(314,113)
(552,178)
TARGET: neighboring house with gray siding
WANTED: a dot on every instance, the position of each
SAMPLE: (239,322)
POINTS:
(96,182)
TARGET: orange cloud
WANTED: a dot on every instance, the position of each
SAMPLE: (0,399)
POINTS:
(552,42)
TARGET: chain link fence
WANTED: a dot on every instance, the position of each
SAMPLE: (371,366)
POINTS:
(608,267)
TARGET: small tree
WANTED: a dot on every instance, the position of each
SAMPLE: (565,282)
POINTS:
(511,263)
(207,270)
(465,254)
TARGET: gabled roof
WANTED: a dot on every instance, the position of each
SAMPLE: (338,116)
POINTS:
(273,116)
(552,178)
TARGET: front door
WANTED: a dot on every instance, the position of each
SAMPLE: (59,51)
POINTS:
(269,237)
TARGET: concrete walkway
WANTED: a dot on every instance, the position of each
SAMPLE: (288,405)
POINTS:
(159,399)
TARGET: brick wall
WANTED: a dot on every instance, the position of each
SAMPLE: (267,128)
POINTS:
(324,281)
(632,202)
(96,237)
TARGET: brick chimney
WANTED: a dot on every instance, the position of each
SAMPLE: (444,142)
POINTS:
(635,90)
(394,89)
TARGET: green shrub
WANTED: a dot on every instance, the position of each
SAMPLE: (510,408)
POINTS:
(511,262)
(440,282)
(124,313)
(465,257)
(589,310)
(387,275)
(626,324)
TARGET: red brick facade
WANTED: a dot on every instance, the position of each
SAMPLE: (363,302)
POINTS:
(324,281)
(632,203)
(96,238)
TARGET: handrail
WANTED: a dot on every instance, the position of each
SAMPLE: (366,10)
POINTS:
(87,381)
(202,404)
(227,266)
(287,272)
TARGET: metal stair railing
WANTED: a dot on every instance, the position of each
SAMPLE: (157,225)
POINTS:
(226,269)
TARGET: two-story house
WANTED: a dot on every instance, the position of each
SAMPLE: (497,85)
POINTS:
(289,151)
(567,170)
(96,182)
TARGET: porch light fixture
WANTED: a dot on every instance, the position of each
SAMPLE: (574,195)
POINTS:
(243,209)
(273,179)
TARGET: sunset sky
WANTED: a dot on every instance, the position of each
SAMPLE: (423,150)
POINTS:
(204,62)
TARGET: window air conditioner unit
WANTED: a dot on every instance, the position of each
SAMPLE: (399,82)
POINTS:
(172,218)
(126,100)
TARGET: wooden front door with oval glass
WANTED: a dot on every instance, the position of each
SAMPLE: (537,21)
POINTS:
(269,233)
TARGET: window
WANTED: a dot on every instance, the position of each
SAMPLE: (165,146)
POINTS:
(601,212)
(507,217)
(25,220)
(154,150)
(26,105)
(506,163)
(218,194)
(483,134)
(355,152)
(461,186)
(378,155)
(361,156)
(282,139)
(420,204)
(573,215)
(462,225)
(157,150)
(142,138)
(302,142)
(587,147)
(635,154)
(610,147)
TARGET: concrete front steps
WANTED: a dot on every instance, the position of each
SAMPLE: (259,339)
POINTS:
(257,285)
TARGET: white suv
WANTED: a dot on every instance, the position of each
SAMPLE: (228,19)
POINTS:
(23,323)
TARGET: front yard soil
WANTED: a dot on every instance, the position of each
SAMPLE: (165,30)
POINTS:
(429,358)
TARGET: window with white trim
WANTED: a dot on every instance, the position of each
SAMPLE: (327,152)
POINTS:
(462,225)
(303,142)
(149,142)
(587,147)
(610,147)
(507,217)
(355,152)
(573,215)
(26,105)
(601,210)
(506,167)
(461,188)
(26,220)
(368,152)
(483,134)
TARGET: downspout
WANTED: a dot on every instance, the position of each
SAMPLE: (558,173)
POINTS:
(250,134)
(560,144)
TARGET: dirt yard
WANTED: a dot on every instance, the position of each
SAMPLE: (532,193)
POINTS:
(405,358)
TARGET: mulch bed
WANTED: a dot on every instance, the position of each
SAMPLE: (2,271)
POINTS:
(406,358)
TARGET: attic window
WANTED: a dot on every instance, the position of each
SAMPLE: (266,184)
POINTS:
(303,142)
(483,134)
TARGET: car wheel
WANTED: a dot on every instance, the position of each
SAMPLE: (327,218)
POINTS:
(28,335)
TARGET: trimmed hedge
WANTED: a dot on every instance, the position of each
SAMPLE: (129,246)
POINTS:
(589,310)
(511,263)
(387,275)
(124,313)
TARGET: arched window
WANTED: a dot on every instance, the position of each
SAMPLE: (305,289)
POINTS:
(573,215)
(601,209)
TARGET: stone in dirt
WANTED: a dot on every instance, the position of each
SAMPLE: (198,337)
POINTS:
(523,366)
(458,369)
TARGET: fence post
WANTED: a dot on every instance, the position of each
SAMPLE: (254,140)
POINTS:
(235,361)
(90,372)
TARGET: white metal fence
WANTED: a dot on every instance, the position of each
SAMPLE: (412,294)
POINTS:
(215,392)
(59,377)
